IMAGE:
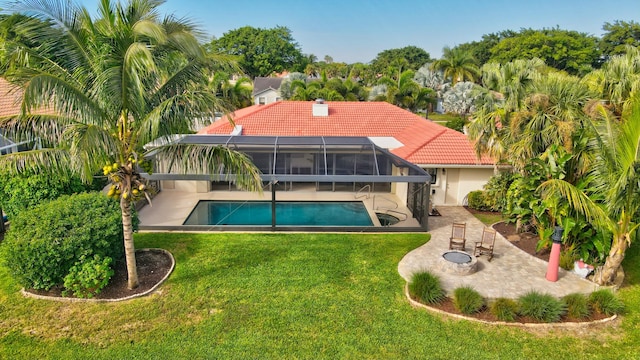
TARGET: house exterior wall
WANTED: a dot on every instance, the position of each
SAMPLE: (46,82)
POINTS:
(186,186)
(454,184)
(269,97)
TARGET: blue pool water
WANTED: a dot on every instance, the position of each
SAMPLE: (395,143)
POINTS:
(288,213)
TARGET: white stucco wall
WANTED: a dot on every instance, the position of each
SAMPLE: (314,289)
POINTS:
(186,186)
(453,184)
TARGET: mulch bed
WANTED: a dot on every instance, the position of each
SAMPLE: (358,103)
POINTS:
(152,266)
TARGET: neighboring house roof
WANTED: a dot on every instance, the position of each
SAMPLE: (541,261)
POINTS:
(421,141)
(10,98)
(262,84)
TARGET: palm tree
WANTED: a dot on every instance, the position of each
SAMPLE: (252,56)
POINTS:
(615,177)
(457,65)
(550,115)
(617,80)
(405,92)
(236,94)
(505,88)
(113,84)
(460,99)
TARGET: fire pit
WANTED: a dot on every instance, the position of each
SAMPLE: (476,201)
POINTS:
(458,263)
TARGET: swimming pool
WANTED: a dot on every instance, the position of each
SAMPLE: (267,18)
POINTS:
(288,213)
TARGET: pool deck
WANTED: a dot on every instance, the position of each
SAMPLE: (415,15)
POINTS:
(172,207)
(511,273)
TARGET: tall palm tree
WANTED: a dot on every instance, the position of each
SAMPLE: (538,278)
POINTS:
(615,177)
(505,88)
(457,65)
(112,85)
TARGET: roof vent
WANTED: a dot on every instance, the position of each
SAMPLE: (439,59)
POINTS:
(320,108)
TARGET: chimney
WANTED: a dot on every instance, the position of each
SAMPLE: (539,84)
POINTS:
(320,108)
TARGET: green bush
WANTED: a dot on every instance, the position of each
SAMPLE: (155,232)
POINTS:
(18,193)
(45,242)
(456,124)
(577,306)
(88,277)
(504,309)
(541,307)
(426,288)
(496,190)
(477,200)
(605,302)
(467,300)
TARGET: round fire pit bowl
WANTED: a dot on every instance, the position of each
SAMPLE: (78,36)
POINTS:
(458,263)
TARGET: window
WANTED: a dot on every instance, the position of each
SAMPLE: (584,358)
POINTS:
(262,100)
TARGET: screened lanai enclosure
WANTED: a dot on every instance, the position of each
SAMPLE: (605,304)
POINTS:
(309,184)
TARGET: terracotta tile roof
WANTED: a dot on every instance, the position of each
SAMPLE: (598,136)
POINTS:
(9,99)
(425,143)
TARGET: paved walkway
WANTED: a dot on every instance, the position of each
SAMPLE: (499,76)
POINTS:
(510,273)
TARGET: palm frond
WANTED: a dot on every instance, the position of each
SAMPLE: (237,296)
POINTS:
(90,147)
(578,200)
(218,161)
(48,128)
(45,161)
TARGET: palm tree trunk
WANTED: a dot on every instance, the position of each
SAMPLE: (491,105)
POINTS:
(606,274)
(129,246)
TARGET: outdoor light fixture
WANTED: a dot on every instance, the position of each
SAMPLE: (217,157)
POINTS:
(554,257)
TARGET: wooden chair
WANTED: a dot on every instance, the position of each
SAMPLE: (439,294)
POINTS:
(485,246)
(458,240)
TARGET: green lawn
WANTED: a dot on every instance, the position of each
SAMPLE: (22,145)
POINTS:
(442,118)
(489,219)
(306,296)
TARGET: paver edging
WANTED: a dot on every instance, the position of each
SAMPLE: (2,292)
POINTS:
(68,299)
(567,325)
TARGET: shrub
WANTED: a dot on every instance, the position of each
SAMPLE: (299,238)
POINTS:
(18,193)
(426,288)
(467,300)
(577,306)
(504,309)
(496,190)
(541,307)
(88,277)
(605,302)
(477,200)
(44,243)
(456,124)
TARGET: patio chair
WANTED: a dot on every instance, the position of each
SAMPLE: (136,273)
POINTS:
(458,240)
(485,246)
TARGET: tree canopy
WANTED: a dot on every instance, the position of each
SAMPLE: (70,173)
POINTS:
(262,52)
(617,36)
(415,57)
(571,51)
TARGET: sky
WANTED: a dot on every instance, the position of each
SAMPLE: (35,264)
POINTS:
(357,30)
